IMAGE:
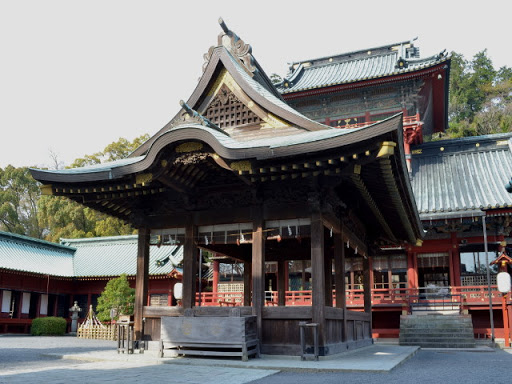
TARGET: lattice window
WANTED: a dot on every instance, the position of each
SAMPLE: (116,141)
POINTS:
(158,300)
(226,110)
(231,287)
(477,280)
(432,260)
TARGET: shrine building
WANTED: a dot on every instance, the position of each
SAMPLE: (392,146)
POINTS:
(325,190)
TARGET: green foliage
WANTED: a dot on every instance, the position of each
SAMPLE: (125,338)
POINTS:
(117,295)
(19,193)
(480,100)
(48,326)
(116,150)
(65,218)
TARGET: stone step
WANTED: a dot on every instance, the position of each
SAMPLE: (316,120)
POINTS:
(435,316)
(440,345)
(430,327)
(437,324)
(465,340)
(439,332)
(433,328)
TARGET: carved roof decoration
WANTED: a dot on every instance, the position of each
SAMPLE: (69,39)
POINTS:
(206,150)
(191,116)
(226,110)
(241,51)
(255,92)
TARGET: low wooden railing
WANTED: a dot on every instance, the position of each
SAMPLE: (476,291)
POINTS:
(467,295)
(407,121)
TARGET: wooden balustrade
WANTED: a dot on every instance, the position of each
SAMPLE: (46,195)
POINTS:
(469,295)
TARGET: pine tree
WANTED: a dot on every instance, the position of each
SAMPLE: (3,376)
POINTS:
(117,296)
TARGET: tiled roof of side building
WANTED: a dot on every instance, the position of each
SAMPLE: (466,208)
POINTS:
(356,66)
(461,176)
(100,256)
(112,256)
(26,254)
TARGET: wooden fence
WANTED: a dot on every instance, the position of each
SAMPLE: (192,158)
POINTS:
(99,332)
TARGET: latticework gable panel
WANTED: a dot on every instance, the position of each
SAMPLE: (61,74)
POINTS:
(226,110)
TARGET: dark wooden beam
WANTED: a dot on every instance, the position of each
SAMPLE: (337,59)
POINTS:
(281,283)
(339,279)
(189,266)
(328,280)
(223,215)
(318,273)
(258,269)
(367,285)
(141,281)
(331,221)
(247,283)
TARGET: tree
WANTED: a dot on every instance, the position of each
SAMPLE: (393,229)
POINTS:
(116,150)
(63,218)
(118,295)
(480,101)
(19,194)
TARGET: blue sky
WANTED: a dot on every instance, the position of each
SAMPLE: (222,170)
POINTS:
(77,75)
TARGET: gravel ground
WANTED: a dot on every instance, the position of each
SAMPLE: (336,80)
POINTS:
(21,361)
(23,352)
(425,367)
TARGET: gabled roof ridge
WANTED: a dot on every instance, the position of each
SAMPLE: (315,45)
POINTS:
(34,241)
(99,239)
(352,53)
(466,140)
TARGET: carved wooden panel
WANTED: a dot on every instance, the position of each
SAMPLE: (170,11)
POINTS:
(226,110)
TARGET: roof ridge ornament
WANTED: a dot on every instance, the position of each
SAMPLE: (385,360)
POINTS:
(241,51)
(192,116)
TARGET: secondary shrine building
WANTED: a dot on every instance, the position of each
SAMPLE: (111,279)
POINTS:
(320,186)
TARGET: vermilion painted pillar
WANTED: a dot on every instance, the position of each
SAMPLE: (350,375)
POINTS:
(456,259)
(216,265)
(411,272)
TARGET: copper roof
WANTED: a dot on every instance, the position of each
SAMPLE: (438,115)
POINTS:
(373,63)
(454,177)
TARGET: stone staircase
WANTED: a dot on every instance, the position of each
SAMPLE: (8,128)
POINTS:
(437,331)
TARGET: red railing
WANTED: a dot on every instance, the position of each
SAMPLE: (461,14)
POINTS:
(469,295)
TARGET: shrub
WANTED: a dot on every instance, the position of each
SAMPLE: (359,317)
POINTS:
(48,326)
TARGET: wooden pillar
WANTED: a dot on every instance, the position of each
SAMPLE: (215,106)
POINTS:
(281,280)
(247,283)
(318,273)
(287,276)
(141,281)
(328,281)
(456,260)
(258,271)
(189,267)
(372,277)
(339,280)
(367,285)
(55,305)
(216,267)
